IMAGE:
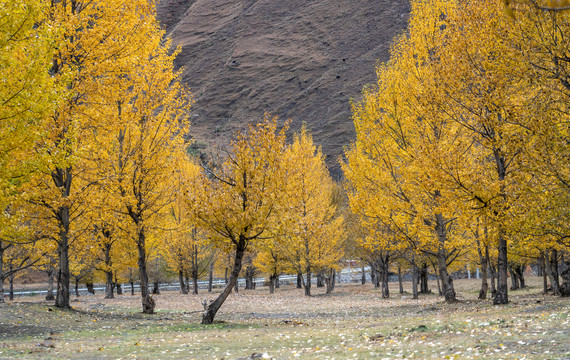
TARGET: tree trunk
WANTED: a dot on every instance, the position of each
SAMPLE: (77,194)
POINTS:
(132,287)
(211,277)
(414,281)
(502,294)
(11,279)
(484,260)
(249,274)
(363,280)
(109,285)
(236,287)
(308,282)
(330,281)
(385,278)
(554,281)
(62,180)
(320,280)
(519,270)
(156,288)
(299,281)
(514,278)
(226,276)
(183,288)
(63,275)
(211,309)
(118,287)
(493,279)
(272,283)
(77,286)
(50,296)
(446,280)
(2,272)
(400,282)
(544,273)
(435,271)
(148,303)
(195,282)
(90,288)
(424,284)
(277,281)
(565,287)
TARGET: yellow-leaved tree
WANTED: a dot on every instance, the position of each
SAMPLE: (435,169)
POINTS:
(238,200)
(313,234)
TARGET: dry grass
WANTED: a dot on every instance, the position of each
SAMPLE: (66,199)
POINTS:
(352,323)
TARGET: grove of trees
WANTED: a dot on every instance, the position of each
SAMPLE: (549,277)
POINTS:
(462,158)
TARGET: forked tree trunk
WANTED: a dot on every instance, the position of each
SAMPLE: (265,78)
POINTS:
(384,275)
(212,308)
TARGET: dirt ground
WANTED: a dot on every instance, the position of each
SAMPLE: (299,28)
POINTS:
(352,323)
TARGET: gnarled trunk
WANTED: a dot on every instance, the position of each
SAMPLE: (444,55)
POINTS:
(212,308)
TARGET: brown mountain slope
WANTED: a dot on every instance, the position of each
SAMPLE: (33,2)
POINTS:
(298,59)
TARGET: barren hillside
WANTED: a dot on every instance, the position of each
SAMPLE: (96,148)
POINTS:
(298,59)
